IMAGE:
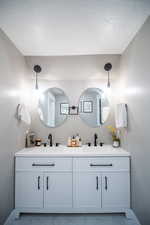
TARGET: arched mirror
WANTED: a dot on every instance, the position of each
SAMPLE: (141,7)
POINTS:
(53,107)
(94,107)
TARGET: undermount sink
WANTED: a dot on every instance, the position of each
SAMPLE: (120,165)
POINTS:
(63,148)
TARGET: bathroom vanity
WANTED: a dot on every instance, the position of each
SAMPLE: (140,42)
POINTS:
(72,180)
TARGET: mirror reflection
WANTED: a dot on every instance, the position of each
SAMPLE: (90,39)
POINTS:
(94,107)
(53,107)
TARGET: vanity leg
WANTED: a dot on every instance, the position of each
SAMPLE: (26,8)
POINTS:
(17,215)
(129,214)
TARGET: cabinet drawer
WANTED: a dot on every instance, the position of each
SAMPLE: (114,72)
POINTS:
(101,164)
(43,164)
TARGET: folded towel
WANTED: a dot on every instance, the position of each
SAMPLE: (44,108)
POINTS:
(121,115)
(23,114)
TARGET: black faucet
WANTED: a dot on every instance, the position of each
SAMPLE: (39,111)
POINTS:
(50,140)
(95,140)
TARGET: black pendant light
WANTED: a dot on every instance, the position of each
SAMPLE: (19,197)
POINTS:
(108,67)
(37,69)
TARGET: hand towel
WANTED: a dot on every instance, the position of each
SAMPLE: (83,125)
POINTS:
(121,115)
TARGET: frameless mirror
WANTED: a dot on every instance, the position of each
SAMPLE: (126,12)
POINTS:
(53,107)
(94,107)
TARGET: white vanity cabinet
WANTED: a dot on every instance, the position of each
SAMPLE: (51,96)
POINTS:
(57,191)
(72,184)
(29,189)
(87,195)
(43,183)
(102,183)
(115,190)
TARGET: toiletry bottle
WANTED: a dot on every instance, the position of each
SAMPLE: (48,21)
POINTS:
(116,143)
(69,141)
(73,142)
(80,142)
(38,142)
(77,140)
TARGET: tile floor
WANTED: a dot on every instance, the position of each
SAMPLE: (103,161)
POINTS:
(72,219)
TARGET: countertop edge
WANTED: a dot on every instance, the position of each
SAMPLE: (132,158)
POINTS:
(72,155)
(110,152)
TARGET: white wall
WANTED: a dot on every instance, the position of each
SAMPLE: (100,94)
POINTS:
(134,89)
(12,135)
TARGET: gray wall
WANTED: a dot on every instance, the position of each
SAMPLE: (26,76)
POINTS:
(134,86)
(73,124)
(77,68)
(12,82)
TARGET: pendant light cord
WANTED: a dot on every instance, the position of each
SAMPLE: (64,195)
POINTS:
(108,67)
(36,82)
(37,69)
(108,83)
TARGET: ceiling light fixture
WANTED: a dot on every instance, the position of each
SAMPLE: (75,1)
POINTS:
(108,67)
(37,69)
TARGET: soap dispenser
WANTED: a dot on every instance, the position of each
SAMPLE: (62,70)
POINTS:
(80,142)
(77,140)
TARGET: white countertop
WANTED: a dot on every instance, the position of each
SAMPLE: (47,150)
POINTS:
(64,151)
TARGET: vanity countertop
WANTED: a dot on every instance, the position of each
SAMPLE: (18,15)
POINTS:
(64,151)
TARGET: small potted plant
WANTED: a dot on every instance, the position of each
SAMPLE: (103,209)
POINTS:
(114,133)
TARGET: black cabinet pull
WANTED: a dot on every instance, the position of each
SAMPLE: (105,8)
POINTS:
(48,164)
(106,183)
(96,182)
(91,164)
(47,186)
(38,182)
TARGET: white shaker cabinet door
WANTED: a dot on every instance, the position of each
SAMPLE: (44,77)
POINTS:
(29,190)
(116,190)
(58,190)
(87,190)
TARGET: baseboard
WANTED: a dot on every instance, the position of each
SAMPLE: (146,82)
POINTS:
(10,218)
(134,217)
(13,215)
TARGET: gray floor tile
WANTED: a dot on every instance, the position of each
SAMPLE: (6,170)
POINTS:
(72,219)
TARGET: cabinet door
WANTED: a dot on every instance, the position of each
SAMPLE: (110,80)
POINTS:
(58,190)
(87,191)
(116,190)
(29,189)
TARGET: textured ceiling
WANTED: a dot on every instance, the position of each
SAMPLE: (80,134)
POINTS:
(72,27)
